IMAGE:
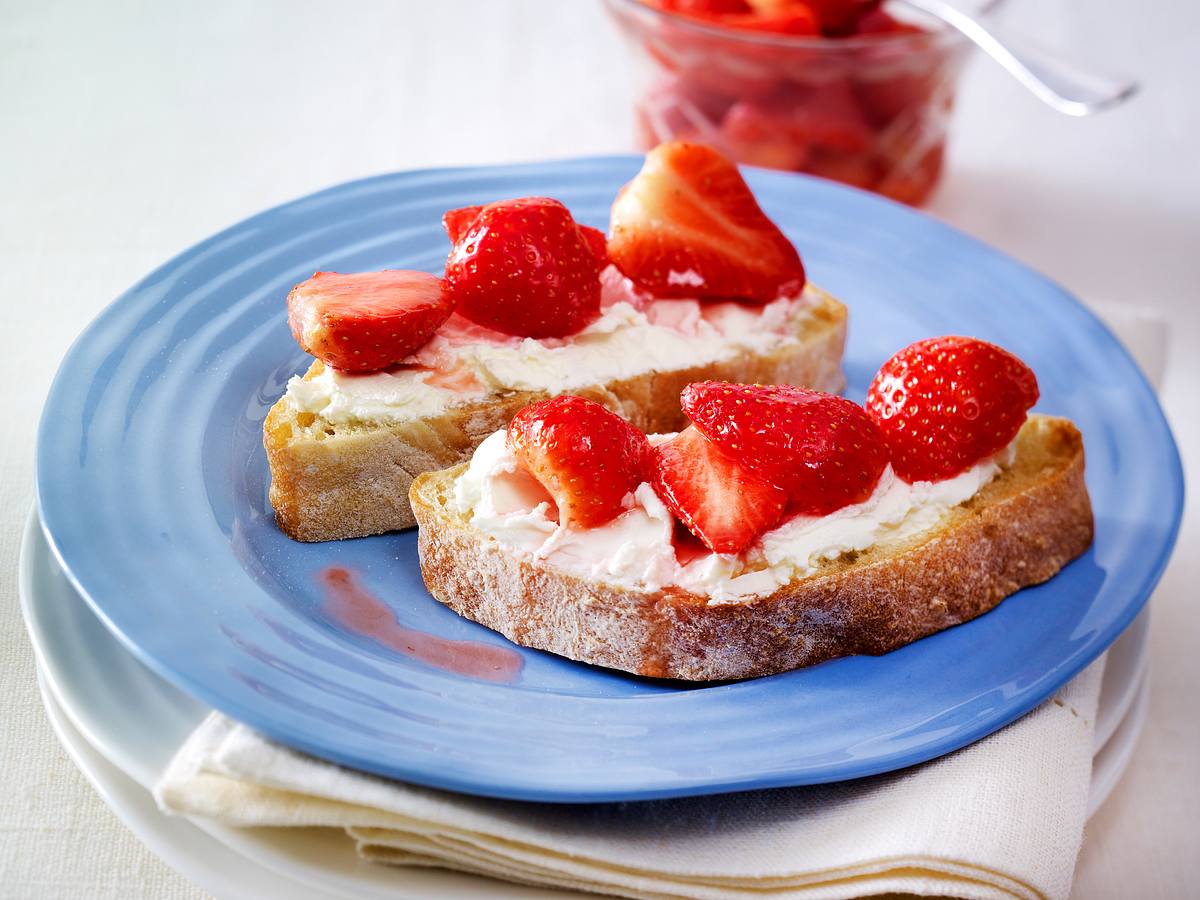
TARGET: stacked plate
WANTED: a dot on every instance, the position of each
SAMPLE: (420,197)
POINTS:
(157,586)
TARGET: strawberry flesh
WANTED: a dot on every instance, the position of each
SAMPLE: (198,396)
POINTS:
(688,226)
(839,17)
(947,403)
(523,267)
(877,21)
(586,456)
(824,451)
(798,19)
(717,499)
(826,118)
(703,8)
(367,321)
(598,241)
(457,221)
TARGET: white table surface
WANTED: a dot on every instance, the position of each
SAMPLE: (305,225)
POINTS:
(130,130)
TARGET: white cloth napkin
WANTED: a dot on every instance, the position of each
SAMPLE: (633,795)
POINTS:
(999,819)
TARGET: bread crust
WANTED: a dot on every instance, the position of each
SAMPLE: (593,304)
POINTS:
(1021,529)
(330,482)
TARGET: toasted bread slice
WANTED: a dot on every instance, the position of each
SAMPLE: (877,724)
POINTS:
(332,481)
(1024,526)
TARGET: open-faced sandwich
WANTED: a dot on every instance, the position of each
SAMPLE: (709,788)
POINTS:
(413,371)
(782,527)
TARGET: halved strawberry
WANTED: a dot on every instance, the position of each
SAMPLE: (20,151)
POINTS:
(717,499)
(838,17)
(794,19)
(811,121)
(688,226)
(755,136)
(586,456)
(524,267)
(457,221)
(824,451)
(879,21)
(598,241)
(913,180)
(859,169)
(367,321)
(702,8)
(946,403)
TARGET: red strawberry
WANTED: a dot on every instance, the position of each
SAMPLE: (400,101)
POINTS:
(946,403)
(795,19)
(824,118)
(858,169)
(587,457)
(598,241)
(702,7)
(457,221)
(838,17)
(367,321)
(719,500)
(756,137)
(774,6)
(824,451)
(524,267)
(913,181)
(688,226)
(878,21)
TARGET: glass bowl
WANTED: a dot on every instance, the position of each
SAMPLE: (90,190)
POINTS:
(869,110)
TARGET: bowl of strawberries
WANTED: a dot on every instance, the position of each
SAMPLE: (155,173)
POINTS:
(843,89)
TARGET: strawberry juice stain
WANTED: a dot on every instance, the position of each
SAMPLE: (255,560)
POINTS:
(356,609)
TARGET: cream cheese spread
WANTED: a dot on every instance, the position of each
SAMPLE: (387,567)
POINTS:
(634,334)
(635,549)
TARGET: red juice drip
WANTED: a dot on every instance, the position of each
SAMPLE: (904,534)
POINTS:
(357,609)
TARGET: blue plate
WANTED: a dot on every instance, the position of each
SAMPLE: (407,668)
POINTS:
(152,488)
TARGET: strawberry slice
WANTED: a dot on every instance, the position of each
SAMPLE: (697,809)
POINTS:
(586,456)
(367,321)
(720,501)
(457,221)
(795,19)
(688,226)
(598,241)
(523,267)
(878,21)
(702,8)
(838,17)
(757,137)
(824,451)
(946,403)
(821,119)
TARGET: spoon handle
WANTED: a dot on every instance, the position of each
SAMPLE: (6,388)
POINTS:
(1068,87)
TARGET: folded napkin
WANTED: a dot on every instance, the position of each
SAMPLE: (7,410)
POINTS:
(1002,818)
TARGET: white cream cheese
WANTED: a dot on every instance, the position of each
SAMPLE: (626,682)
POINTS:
(398,394)
(634,334)
(635,548)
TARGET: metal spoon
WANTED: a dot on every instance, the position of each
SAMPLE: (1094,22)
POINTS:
(1070,88)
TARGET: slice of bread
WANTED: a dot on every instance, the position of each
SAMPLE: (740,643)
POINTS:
(332,481)
(1024,526)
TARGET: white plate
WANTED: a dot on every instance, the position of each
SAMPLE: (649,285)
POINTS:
(211,865)
(121,724)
